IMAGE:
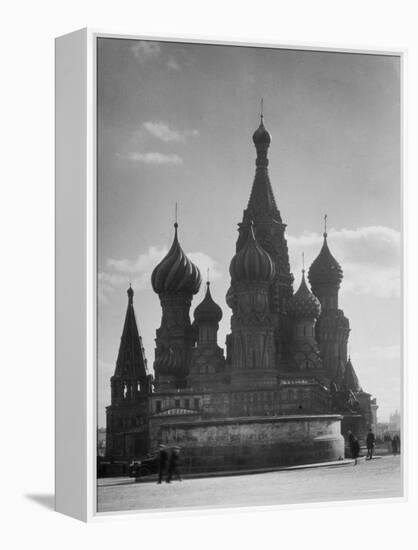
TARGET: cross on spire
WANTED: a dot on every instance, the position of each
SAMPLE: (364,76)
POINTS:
(175,216)
(325,224)
(303,262)
(262,109)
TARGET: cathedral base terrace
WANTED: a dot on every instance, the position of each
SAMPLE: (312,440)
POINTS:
(255,442)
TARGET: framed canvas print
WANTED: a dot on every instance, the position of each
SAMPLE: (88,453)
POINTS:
(229,305)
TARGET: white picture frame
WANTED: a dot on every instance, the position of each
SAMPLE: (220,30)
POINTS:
(76,264)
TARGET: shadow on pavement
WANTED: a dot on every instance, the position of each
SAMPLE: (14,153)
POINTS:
(47,501)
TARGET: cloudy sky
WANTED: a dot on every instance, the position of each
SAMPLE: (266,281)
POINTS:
(175,125)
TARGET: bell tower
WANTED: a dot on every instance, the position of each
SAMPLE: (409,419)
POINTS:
(131,385)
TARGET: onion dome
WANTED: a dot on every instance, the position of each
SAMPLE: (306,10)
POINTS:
(325,270)
(166,361)
(350,379)
(208,311)
(261,136)
(303,304)
(251,262)
(176,273)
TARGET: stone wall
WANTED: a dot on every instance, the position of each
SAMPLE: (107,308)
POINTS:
(258,442)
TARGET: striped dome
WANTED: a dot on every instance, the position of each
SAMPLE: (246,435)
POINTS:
(251,262)
(176,273)
(166,361)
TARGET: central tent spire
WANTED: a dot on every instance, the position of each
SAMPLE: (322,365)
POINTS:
(262,201)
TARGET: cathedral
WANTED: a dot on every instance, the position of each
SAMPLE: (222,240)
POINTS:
(284,391)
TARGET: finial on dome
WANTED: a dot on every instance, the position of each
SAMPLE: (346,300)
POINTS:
(175,218)
(303,263)
(130,293)
(261,109)
(325,226)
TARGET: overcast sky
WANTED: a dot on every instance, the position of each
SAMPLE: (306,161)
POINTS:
(175,125)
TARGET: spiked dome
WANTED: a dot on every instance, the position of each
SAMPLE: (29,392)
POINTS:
(303,304)
(325,270)
(208,310)
(176,273)
(251,262)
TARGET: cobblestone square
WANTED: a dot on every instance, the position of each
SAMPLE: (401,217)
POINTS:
(379,478)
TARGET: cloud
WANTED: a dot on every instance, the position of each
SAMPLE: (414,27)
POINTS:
(144,50)
(162,131)
(205,262)
(119,272)
(137,271)
(379,369)
(172,64)
(369,256)
(154,158)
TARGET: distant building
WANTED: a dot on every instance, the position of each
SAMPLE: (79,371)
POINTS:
(395,422)
(101,442)
(279,393)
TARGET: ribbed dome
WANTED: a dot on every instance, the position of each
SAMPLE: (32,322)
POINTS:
(166,361)
(176,273)
(325,270)
(261,136)
(303,304)
(208,311)
(251,262)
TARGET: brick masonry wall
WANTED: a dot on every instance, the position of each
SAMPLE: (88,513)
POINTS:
(243,443)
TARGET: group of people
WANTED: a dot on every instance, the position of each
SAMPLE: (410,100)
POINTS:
(168,465)
(354,445)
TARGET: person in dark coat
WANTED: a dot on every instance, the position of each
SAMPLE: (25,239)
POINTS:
(398,440)
(355,450)
(370,443)
(162,462)
(173,465)
(350,439)
(396,444)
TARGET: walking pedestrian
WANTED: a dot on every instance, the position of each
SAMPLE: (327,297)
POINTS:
(355,450)
(350,439)
(162,462)
(396,444)
(173,465)
(370,443)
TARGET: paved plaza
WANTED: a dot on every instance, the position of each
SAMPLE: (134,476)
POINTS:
(378,478)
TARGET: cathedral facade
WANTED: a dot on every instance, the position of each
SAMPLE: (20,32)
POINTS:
(284,391)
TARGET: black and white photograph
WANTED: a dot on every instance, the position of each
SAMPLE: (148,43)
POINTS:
(249,267)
